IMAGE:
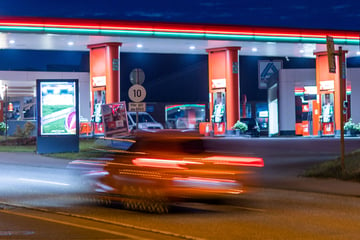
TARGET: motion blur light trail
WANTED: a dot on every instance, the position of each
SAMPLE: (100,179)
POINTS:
(162,163)
(42,181)
(236,161)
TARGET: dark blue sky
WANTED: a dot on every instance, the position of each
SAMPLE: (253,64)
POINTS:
(330,14)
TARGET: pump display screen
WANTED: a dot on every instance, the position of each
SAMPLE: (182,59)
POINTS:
(58,108)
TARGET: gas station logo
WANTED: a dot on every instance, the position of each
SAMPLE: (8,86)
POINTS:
(268,70)
(99,81)
(218,83)
(327,85)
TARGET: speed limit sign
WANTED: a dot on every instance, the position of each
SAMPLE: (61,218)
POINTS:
(137,93)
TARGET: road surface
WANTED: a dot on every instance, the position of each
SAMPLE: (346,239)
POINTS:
(42,199)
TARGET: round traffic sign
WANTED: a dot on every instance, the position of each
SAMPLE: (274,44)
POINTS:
(137,76)
(137,93)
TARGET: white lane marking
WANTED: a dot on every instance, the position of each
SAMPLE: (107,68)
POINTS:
(251,209)
(43,181)
(16,233)
(75,225)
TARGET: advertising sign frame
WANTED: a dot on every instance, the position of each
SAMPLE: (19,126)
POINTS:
(57,115)
(115,119)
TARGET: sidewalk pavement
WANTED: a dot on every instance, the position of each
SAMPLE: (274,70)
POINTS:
(277,181)
(316,185)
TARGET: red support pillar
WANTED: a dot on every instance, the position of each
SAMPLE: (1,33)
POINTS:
(104,71)
(224,78)
(329,91)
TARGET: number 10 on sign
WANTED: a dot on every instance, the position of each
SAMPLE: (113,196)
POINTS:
(137,93)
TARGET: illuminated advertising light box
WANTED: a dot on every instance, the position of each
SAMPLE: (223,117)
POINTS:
(57,116)
(310,90)
(57,112)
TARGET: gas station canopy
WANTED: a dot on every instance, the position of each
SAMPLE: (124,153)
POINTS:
(157,37)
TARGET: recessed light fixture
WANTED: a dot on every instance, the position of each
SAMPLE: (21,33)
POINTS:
(358,53)
(12,41)
(139,45)
(70,43)
(254,49)
(302,51)
(192,47)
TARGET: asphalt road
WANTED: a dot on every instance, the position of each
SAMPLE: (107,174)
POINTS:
(286,159)
(279,204)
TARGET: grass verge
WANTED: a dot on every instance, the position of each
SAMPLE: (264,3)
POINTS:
(333,169)
(86,151)
(18,148)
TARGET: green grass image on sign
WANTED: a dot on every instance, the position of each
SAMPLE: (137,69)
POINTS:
(54,118)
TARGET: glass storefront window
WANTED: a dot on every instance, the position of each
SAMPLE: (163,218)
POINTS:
(184,116)
(29,108)
(21,108)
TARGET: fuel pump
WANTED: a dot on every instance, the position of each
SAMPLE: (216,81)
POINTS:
(219,113)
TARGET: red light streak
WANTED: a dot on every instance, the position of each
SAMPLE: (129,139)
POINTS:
(236,161)
(176,28)
(206,180)
(162,163)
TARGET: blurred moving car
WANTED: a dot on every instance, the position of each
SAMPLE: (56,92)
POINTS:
(145,121)
(160,168)
(253,126)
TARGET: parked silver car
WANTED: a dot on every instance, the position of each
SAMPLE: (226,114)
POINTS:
(145,121)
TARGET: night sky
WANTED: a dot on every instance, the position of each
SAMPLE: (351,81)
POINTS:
(321,14)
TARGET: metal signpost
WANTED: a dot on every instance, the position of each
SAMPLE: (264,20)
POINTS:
(331,54)
(6,111)
(137,93)
(342,69)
